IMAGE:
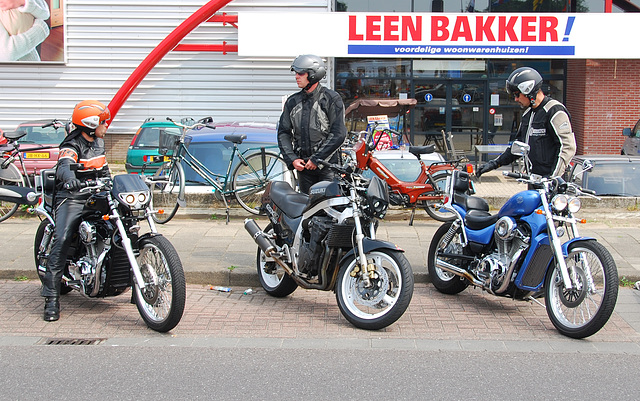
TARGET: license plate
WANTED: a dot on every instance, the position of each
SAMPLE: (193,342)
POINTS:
(35,155)
(166,159)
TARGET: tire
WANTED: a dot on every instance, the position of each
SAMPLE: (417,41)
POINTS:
(440,182)
(581,312)
(161,304)
(377,307)
(443,281)
(41,257)
(251,178)
(8,209)
(166,187)
(275,281)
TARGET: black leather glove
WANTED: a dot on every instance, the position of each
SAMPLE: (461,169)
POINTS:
(488,166)
(73,184)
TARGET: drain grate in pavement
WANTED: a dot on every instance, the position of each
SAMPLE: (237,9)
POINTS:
(71,341)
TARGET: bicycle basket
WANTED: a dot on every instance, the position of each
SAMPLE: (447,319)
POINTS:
(168,142)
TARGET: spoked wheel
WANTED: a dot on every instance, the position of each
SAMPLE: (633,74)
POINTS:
(446,243)
(167,186)
(581,311)
(8,209)
(42,249)
(435,212)
(161,302)
(275,281)
(251,178)
(384,299)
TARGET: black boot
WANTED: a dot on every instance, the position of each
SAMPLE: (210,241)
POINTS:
(51,309)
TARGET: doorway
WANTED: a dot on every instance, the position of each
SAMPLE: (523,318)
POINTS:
(452,105)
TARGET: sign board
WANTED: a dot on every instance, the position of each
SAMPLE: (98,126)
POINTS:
(440,35)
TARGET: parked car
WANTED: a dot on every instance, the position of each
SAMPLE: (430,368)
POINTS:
(38,137)
(145,143)
(630,145)
(611,175)
(209,146)
(403,164)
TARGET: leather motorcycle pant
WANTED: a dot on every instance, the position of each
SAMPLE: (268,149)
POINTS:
(306,178)
(68,215)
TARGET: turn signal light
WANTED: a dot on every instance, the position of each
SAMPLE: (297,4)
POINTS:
(469,168)
(105,217)
(160,211)
(539,211)
(583,221)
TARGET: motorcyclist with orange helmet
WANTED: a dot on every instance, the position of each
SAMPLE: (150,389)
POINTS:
(83,146)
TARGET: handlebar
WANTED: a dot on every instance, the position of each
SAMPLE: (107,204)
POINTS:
(204,122)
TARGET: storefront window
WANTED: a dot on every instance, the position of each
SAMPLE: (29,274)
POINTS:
(373,78)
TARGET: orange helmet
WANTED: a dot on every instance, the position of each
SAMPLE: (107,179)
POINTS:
(90,114)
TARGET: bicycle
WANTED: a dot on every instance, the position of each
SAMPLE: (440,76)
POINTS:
(15,184)
(426,191)
(255,169)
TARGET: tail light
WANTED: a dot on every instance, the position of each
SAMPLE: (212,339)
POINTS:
(469,168)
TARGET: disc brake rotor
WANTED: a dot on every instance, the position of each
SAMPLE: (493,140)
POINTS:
(371,296)
(573,297)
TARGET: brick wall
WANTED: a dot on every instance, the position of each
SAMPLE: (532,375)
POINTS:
(602,97)
(116,145)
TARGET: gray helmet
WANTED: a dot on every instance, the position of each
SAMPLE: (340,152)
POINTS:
(313,65)
(525,80)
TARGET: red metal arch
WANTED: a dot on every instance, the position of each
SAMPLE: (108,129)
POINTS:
(169,43)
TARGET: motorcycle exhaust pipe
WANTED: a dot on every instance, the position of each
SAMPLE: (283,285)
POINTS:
(458,271)
(259,237)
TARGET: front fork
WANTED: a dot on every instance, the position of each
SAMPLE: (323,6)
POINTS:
(555,243)
(362,258)
(126,243)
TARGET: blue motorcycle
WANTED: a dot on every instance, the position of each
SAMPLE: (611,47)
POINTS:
(530,248)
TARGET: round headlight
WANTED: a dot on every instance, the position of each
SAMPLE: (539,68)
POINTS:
(142,197)
(130,199)
(559,202)
(574,205)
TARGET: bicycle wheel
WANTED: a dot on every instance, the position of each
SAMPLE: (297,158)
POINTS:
(250,179)
(435,212)
(167,186)
(7,209)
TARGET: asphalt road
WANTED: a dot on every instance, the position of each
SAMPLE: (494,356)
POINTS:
(253,373)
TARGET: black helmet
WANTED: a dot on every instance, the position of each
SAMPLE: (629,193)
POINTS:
(313,65)
(525,80)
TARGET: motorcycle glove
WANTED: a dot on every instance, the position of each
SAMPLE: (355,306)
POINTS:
(486,167)
(73,184)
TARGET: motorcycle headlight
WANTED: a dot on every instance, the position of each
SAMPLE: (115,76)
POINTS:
(378,197)
(560,202)
(574,205)
(135,200)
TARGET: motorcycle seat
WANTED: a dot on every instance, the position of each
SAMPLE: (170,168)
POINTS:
(469,202)
(477,219)
(421,150)
(292,203)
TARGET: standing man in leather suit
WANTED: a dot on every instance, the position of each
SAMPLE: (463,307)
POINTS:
(311,126)
(84,145)
(545,126)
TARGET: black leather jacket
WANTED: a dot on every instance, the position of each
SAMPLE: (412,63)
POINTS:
(76,149)
(312,126)
(551,138)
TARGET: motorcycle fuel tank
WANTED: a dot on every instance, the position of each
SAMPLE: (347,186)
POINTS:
(520,204)
(324,190)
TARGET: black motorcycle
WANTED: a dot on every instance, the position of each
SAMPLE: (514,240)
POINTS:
(109,255)
(326,241)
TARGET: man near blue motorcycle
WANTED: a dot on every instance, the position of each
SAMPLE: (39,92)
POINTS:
(545,126)
(84,145)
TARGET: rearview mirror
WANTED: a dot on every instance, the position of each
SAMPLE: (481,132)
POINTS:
(626,131)
(519,148)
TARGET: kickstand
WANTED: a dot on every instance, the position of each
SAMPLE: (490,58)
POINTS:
(227,215)
(413,213)
(538,302)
